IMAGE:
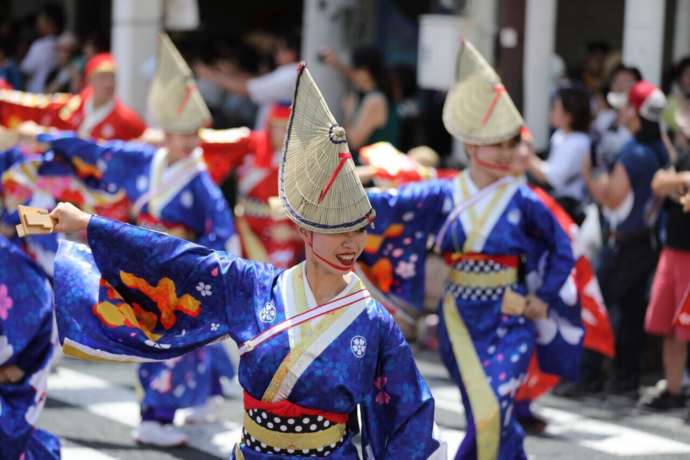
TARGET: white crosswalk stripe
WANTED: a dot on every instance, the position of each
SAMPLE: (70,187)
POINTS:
(606,438)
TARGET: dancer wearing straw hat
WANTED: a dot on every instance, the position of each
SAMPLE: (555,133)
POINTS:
(168,189)
(314,345)
(489,227)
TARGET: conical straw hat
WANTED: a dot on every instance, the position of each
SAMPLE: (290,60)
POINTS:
(319,186)
(174,99)
(478,109)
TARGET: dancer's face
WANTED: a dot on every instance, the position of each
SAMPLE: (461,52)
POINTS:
(335,252)
(496,159)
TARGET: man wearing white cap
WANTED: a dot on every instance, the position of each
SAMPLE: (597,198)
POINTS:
(631,212)
(167,189)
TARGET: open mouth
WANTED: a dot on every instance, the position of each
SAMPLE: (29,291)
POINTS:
(346,259)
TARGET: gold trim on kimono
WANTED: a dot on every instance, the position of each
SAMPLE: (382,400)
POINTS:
(483,401)
(297,441)
(500,278)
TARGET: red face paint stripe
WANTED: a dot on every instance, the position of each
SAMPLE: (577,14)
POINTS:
(494,166)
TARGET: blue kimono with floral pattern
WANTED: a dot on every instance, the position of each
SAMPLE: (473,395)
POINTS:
(182,200)
(26,325)
(22,182)
(489,244)
(141,295)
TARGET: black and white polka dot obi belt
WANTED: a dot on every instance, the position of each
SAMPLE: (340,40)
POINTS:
(286,428)
(481,277)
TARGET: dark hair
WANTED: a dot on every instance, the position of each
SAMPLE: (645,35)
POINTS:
(632,70)
(370,59)
(292,40)
(575,103)
(650,131)
(54,14)
(598,47)
(680,67)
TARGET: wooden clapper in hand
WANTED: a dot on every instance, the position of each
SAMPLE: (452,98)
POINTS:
(34,221)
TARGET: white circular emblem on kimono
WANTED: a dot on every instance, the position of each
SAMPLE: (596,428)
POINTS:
(358,344)
(268,312)
(107,130)
(142,183)
(514,216)
(187,199)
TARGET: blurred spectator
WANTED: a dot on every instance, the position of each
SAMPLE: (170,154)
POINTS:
(630,255)
(231,109)
(608,136)
(679,102)
(592,75)
(570,115)
(42,56)
(405,95)
(275,87)
(66,77)
(9,71)
(370,115)
(671,285)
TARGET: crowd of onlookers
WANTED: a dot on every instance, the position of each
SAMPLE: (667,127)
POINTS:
(617,162)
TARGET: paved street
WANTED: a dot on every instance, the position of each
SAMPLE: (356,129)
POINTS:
(93,407)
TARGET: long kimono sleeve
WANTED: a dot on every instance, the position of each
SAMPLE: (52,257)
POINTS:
(19,106)
(105,165)
(550,262)
(139,295)
(219,227)
(559,261)
(394,257)
(398,416)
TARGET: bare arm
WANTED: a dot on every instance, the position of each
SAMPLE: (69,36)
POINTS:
(537,168)
(236,85)
(670,183)
(371,115)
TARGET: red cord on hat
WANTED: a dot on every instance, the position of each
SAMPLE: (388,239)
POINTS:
(187,96)
(344,156)
(498,89)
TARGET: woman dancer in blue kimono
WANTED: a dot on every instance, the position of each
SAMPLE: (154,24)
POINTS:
(314,345)
(488,226)
(167,189)
(26,350)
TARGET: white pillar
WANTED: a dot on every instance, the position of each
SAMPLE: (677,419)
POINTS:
(134,31)
(482,26)
(323,26)
(681,38)
(540,27)
(643,37)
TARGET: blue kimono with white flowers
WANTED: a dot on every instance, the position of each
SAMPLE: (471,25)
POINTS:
(489,244)
(141,295)
(26,325)
(182,200)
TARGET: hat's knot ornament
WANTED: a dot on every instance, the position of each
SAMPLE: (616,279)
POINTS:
(337,134)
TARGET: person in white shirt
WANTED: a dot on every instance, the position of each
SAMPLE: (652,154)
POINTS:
(42,56)
(274,87)
(570,143)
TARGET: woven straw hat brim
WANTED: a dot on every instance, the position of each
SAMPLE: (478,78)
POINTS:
(174,99)
(477,109)
(318,183)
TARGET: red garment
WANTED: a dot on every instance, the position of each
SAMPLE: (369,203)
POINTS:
(257,182)
(251,154)
(67,111)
